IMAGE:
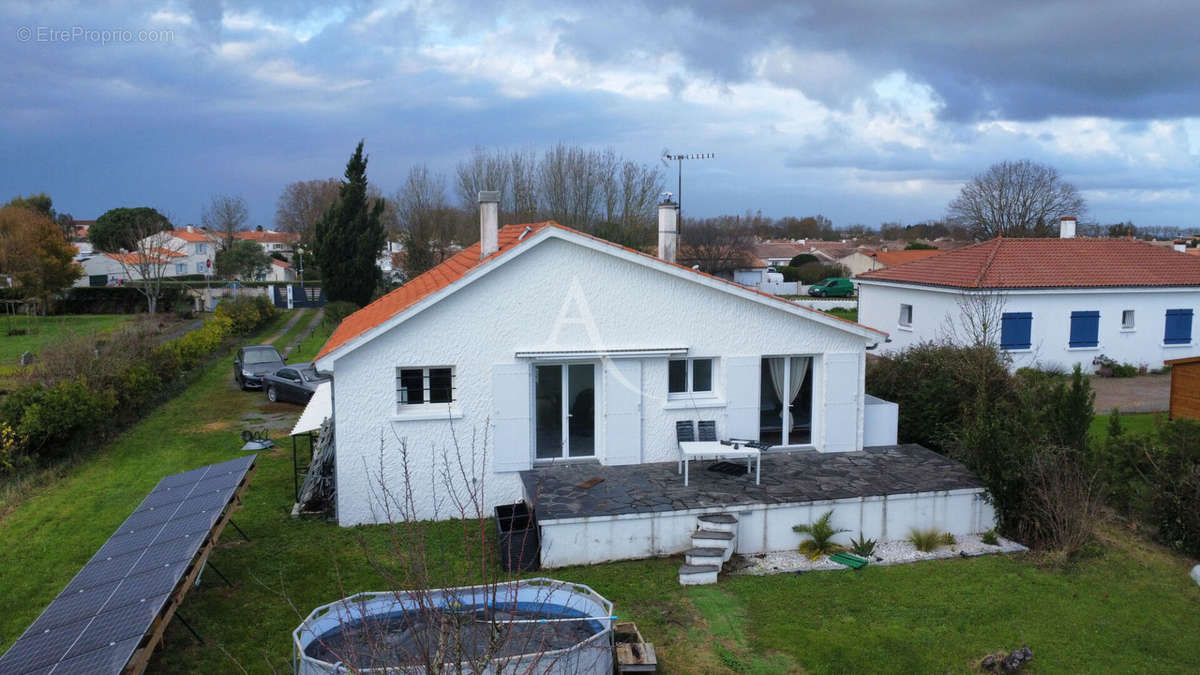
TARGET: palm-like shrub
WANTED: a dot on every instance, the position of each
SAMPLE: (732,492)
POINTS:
(926,540)
(820,541)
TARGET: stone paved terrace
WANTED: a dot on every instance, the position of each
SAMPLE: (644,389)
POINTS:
(787,477)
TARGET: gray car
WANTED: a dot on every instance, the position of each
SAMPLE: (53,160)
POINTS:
(294,382)
(253,362)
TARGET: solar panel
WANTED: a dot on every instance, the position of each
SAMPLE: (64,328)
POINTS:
(102,616)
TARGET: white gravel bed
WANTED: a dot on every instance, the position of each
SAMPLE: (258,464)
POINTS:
(886,553)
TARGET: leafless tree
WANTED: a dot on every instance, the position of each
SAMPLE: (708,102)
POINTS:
(484,170)
(429,228)
(225,214)
(979,318)
(1016,199)
(522,165)
(446,627)
(150,263)
(303,203)
(716,247)
(1065,500)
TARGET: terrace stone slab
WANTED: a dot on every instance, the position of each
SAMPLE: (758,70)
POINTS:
(787,477)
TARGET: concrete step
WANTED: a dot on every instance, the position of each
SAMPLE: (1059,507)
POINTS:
(695,575)
(718,522)
(714,539)
(705,556)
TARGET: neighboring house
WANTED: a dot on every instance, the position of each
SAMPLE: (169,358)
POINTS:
(199,249)
(283,243)
(280,271)
(111,269)
(544,345)
(1047,302)
(867,260)
(777,253)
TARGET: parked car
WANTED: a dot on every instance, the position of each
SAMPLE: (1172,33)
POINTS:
(254,362)
(836,287)
(296,382)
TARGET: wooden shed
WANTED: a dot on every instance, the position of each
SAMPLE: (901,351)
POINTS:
(1185,387)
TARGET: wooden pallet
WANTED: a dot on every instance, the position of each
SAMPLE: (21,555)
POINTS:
(634,655)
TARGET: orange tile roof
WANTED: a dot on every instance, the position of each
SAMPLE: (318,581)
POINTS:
(1048,263)
(194,235)
(458,265)
(137,258)
(268,236)
(280,263)
(893,258)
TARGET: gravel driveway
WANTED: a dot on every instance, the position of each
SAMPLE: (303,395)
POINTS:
(1144,393)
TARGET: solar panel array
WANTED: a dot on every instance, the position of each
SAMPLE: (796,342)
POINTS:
(97,622)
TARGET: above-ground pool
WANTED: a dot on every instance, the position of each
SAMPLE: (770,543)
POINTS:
(534,625)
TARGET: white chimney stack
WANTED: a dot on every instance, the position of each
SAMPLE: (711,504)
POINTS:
(489,223)
(1066,228)
(668,229)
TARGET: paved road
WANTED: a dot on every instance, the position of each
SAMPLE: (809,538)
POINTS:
(1144,393)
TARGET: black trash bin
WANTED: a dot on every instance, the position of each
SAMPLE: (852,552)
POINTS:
(517,535)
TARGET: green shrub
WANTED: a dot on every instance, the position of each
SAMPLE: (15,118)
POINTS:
(820,541)
(990,538)
(862,546)
(139,384)
(926,540)
(815,272)
(245,313)
(51,419)
(802,259)
(13,457)
(1175,486)
(335,312)
(947,539)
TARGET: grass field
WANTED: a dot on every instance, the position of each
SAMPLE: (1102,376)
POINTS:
(1129,607)
(44,330)
(1133,423)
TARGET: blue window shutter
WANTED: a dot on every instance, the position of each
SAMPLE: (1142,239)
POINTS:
(1015,330)
(1085,329)
(1179,327)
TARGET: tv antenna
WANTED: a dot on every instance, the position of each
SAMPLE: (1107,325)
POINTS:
(678,159)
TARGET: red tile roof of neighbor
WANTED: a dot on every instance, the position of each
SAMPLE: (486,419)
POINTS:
(280,263)
(893,258)
(1048,263)
(458,265)
(194,235)
(268,236)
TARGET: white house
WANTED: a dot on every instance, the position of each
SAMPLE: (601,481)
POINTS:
(862,261)
(1048,302)
(198,247)
(563,347)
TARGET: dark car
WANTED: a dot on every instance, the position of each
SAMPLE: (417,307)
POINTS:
(295,382)
(837,287)
(254,362)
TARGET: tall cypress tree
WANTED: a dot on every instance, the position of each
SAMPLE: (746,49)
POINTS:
(348,238)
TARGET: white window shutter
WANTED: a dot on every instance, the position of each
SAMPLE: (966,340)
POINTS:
(510,417)
(742,392)
(842,384)
(623,411)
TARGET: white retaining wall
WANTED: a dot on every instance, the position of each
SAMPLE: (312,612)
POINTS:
(762,528)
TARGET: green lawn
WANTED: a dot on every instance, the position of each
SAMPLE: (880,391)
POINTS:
(1133,423)
(848,314)
(1130,608)
(43,330)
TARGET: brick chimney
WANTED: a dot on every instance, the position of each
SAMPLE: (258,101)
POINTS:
(668,228)
(489,223)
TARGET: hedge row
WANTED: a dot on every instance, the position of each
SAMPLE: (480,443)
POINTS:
(84,390)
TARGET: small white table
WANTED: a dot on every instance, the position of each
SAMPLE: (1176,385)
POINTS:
(698,449)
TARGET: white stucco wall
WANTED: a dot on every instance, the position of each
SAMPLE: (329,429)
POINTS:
(762,528)
(563,294)
(936,314)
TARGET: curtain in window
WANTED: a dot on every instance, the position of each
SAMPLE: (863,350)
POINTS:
(799,365)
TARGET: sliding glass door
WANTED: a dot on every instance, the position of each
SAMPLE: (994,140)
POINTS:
(565,419)
(785,416)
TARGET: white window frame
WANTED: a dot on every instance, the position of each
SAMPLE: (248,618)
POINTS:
(1131,324)
(426,404)
(201,247)
(900,321)
(689,381)
(201,268)
(180,269)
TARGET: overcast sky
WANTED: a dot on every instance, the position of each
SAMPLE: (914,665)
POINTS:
(862,111)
